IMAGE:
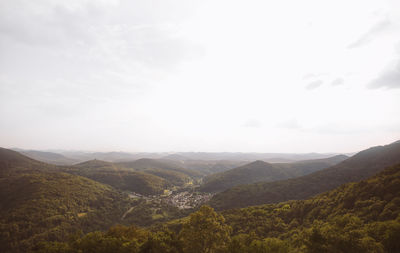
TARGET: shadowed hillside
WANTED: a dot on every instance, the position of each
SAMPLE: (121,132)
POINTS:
(260,171)
(362,165)
(356,217)
(249,173)
(48,157)
(39,203)
(12,161)
(120,178)
(144,164)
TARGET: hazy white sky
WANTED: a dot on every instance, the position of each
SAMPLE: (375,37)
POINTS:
(260,76)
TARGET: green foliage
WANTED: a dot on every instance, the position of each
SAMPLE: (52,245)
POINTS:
(49,205)
(12,161)
(146,164)
(260,171)
(205,231)
(120,178)
(249,173)
(41,212)
(139,182)
(360,166)
(144,176)
(147,212)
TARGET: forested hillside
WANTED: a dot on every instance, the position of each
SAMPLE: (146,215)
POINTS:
(48,157)
(49,205)
(356,217)
(145,164)
(253,172)
(260,171)
(12,161)
(362,165)
(123,179)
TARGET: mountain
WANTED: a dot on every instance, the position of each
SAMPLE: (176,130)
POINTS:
(238,156)
(37,202)
(48,205)
(355,217)
(146,164)
(362,165)
(107,156)
(94,164)
(301,168)
(122,178)
(260,171)
(48,157)
(207,167)
(249,173)
(12,161)
(144,176)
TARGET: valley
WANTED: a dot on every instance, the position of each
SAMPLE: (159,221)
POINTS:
(278,201)
(186,126)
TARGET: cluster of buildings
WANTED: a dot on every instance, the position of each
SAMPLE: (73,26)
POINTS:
(182,200)
(186,200)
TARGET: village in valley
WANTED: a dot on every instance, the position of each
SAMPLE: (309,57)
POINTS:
(172,203)
(181,199)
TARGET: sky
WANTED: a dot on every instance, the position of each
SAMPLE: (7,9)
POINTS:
(216,76)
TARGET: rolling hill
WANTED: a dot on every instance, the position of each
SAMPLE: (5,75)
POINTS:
(121,178)
(48,157)
(38,203)
(207,167)
(355,217)
(160,167)
(238,156)
(249,173)
(144,176)
(362,165)
(260,171)
(12,161)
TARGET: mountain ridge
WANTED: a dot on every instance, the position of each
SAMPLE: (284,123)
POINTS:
(360,166)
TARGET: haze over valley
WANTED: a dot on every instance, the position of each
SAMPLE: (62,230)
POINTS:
(199,126)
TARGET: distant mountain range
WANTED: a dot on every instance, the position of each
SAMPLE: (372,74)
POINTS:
(61,157)
(44,202)
(260,171)
(362,165)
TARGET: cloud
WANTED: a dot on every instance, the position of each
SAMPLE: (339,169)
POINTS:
(338,81)
(389,79)
(308,76)
(371,34)
(290,124)
(252,123)
(108,32)
(314,84)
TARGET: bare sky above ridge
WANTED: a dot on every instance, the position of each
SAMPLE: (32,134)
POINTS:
(248,76)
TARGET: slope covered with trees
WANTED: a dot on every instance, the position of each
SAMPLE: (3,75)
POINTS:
(159,164)
(48,205)
(362,165)
(120,178)
(12,161)
(260,171)
(48,157)
(246,174)
(356,217)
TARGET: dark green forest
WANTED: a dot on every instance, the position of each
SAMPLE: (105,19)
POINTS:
(260,171)
(47,208)
(356,217)
(361,166)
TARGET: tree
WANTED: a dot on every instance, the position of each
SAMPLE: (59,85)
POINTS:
(205,232)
